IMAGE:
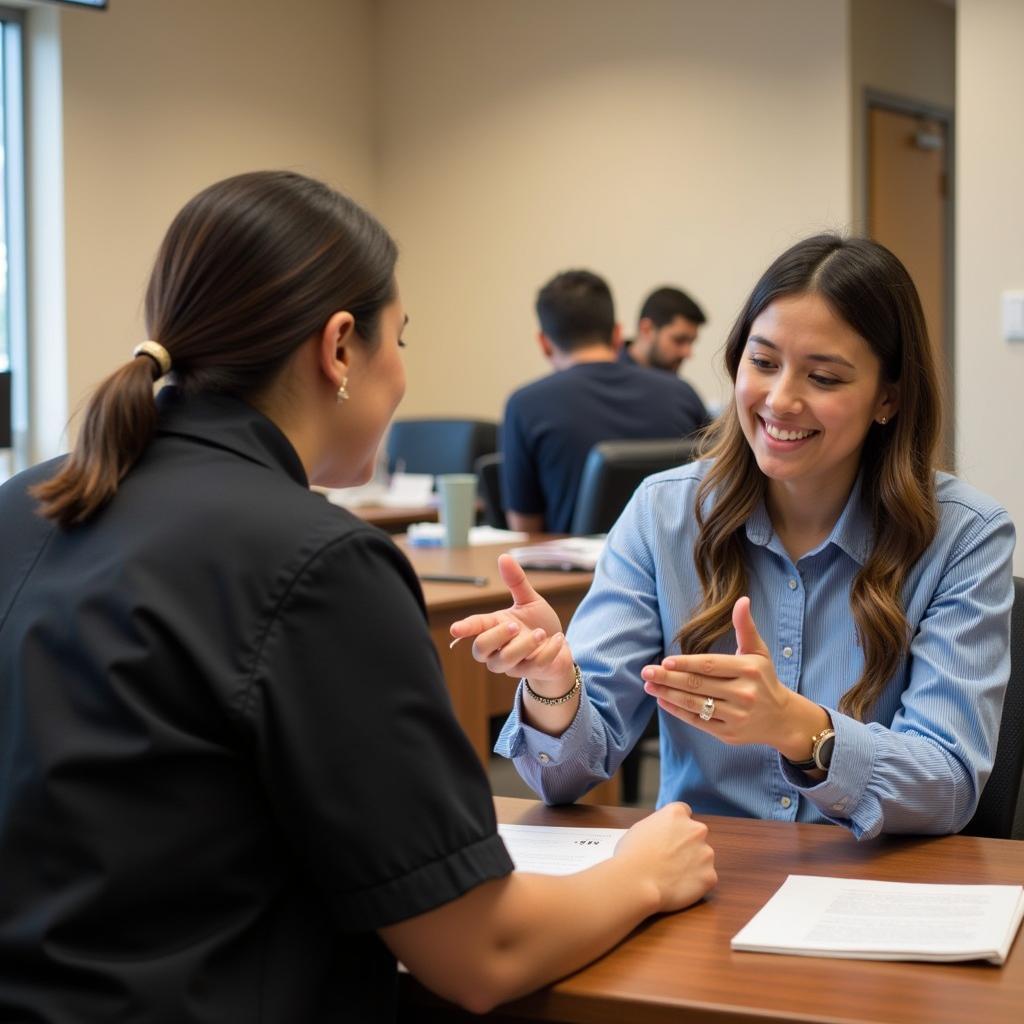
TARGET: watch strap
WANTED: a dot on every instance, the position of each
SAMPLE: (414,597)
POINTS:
(804,766)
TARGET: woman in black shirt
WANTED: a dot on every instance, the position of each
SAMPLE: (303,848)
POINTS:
(231,784)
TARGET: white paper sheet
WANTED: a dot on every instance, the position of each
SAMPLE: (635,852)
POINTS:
(547,850)
(431,535)
(844,917)
(409,490)
(406,490)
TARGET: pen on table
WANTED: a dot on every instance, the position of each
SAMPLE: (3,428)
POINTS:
(440,577)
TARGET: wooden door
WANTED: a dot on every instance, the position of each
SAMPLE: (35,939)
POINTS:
(908,213)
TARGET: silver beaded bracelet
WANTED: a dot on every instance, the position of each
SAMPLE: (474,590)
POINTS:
(577,685)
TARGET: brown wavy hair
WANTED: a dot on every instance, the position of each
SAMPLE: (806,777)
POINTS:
(869,288)
(250,268)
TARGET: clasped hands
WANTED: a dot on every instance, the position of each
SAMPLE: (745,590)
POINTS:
(751,705)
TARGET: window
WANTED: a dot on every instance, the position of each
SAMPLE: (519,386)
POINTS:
(13,350)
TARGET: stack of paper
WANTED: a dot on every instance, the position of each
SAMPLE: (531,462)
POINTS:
(579,553)
(405,490)
(864,920)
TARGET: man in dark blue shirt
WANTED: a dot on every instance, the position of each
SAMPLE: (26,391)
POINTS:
(551,425)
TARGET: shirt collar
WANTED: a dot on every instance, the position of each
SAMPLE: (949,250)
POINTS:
(852,533)
(229,423)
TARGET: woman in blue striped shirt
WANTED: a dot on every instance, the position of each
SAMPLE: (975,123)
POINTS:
(820,618)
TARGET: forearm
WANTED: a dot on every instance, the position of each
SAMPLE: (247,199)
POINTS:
(548,927)
(526,522)
(508,937)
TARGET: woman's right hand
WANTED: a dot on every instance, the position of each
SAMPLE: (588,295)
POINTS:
(523,640)
(671,849)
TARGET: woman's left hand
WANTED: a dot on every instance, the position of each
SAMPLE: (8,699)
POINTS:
(750,704)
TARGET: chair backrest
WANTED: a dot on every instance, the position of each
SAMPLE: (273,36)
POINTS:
(439,446)
(5,410)
(997,815)
(614,470)
(488,477)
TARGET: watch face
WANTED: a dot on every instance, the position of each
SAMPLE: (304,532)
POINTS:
(823,755)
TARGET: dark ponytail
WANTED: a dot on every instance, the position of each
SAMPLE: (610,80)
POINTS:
(250,269)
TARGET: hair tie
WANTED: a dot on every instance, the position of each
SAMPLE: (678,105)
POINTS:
(155,351)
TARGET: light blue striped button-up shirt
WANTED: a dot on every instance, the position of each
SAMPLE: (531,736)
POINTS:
(916,765)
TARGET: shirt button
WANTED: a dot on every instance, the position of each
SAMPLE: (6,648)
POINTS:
(792,584)
(839,806)
(785,801)
(787,652)
(543,758)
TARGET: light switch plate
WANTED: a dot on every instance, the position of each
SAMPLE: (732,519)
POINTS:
(1013,316)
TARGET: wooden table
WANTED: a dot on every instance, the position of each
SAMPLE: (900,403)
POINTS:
(394,519)
(398,519)
(680,968)
(477,695)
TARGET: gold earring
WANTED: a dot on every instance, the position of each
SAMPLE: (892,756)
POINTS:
(343,391)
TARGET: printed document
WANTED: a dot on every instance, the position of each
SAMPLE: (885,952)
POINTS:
(864,920)
(549,850)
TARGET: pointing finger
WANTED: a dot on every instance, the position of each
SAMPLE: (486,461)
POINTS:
(514,578)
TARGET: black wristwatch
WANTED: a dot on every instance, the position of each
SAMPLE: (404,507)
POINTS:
(822,746)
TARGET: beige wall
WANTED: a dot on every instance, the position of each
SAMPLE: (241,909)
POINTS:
(990,251)
(162,97)
(657,141)
(906,48)
(654,141)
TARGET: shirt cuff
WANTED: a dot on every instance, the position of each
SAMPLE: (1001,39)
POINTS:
(838,795)
(517,739)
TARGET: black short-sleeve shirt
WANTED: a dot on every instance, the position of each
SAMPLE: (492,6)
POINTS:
(227,754)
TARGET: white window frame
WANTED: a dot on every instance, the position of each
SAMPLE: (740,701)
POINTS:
(12,43)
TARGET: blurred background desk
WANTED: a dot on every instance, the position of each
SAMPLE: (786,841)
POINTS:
(477,695)
(680,969)
(366,502)
(393,519)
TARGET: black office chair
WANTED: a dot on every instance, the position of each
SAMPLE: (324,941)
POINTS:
(488,478)
(439,446)
(998,815)
(614,470)
(5,410)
